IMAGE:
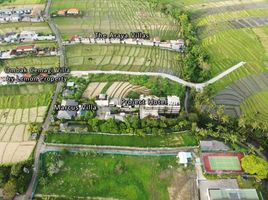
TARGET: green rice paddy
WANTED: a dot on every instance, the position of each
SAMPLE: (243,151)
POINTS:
(107,16)
(121,57)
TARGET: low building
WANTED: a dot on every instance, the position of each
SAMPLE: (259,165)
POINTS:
(61,12)
(26,36)
(25,48)
(155,106)
(70,84)
(184,158)
(177,45)
(67,113)
(205,185)
(67,93)
(232,194)
(73,11)
(11,37)
(45,37)
(213,145)
(102,100)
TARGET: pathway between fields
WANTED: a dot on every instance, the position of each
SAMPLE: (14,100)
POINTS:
(197,86)
(118,149)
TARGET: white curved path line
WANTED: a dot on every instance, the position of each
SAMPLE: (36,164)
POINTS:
(197,86)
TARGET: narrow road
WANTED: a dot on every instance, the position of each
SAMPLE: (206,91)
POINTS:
(117,149)
(197,86)
(40,144)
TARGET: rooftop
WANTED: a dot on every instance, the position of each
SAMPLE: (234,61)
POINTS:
(213,145)
(233,194)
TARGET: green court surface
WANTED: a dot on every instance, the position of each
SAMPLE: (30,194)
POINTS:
(224,163)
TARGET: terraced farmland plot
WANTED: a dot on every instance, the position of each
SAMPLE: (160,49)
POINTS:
(230,47)
(114,89)
(14,133)
(27,115)
(15,144)
(256,107)
(12,152)
(234,96)
(123,16)
(221,6)
(94,89)
(122,89)
(121,57)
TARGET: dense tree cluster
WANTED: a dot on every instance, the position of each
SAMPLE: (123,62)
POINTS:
(194,60)
(15,179)
(141,127)
(256,166)
(214,122)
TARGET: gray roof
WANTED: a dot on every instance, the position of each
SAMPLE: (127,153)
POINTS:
(67,114)
(213,145)
(67,92)
(233,194)
(205,185)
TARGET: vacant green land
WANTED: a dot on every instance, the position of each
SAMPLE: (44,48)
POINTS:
(11,90)
(32,61)
(25,96)
(121,57)
(20,2)
(171,140)
(121,16)
(256,111)
(114,176)
(39,27)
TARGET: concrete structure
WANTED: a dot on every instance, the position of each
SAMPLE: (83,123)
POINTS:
(155,106)
(184,158)
(213,145)
(102,100)
(26,36)
(70,84)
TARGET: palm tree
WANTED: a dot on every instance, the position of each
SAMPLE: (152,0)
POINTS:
(233,138)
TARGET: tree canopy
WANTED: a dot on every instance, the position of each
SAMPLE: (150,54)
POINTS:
(256,166)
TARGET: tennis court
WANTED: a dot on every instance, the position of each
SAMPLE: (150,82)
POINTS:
(226,162)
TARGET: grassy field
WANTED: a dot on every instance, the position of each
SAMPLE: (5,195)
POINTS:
(124,177)
(121,57)
(40,27)
(42,61)
(257,111)
(20,2)
(25,96)
(123,16)
(172,140)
